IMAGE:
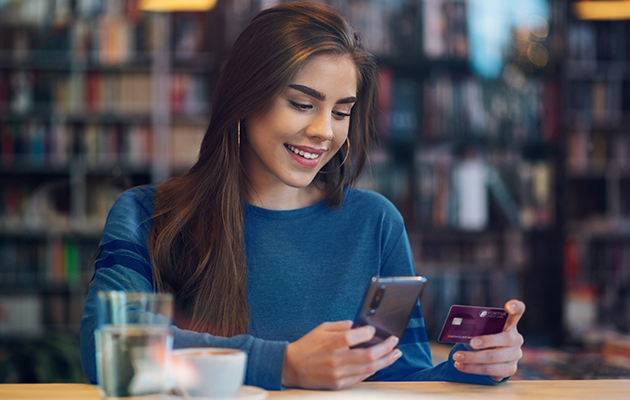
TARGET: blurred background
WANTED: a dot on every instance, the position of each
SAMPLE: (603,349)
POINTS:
(504,131)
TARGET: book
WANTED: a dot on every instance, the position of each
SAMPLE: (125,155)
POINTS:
(405,109)
(384,101)
(577,150)
(71,262)
(21,315)
(471,191)
(185,145)
(502,195)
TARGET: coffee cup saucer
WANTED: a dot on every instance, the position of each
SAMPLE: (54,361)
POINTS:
(250,393)
(244,393)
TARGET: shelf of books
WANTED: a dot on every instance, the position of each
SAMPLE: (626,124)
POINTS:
(597,245)
(95,97)
(471,161)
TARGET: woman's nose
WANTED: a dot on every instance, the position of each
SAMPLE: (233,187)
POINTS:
(321,126)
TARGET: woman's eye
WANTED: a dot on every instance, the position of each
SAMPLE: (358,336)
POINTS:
(301,107)
(340,115)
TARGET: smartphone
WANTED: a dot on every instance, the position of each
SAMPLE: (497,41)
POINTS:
(387,305)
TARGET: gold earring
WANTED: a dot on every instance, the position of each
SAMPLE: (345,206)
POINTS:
(343,162)
(238,129)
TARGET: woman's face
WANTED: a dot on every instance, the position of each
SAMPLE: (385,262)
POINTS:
(303,128)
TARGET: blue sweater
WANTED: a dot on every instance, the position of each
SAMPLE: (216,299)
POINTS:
(306,266)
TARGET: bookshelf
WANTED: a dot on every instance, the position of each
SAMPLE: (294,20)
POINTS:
(597,124)
(95,97)
(473,163)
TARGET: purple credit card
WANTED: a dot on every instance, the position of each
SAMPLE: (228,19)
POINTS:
(465,322)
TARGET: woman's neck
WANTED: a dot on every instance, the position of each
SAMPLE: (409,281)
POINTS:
(286,198)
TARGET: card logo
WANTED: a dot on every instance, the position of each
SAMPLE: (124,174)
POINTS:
(483,313)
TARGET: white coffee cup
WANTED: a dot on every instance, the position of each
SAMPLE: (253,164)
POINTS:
(209,371)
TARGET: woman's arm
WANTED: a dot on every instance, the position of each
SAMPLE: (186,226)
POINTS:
(475,367)
(124,264)
(265,358)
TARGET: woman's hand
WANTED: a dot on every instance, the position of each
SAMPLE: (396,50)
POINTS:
(496,355)
(323,359)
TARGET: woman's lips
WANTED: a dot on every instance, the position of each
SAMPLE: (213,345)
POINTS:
(306,157)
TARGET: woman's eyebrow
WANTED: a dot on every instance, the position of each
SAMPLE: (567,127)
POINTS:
(311,92)
(320,96)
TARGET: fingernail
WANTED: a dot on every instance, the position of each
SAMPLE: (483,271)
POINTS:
(458,365)
(512,307)
(397,353)
(394,340)
(476,342)
(458,357)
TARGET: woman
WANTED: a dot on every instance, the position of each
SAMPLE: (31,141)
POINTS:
(263,242)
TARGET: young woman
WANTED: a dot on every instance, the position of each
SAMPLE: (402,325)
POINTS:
(264,243)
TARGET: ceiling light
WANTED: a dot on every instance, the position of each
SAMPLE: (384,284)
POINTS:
(602,10)
(176,5)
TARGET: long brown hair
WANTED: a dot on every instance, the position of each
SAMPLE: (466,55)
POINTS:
(197,238)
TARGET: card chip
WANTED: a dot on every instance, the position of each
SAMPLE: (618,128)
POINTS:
(457,321)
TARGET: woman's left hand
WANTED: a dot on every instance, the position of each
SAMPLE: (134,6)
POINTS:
(495,355)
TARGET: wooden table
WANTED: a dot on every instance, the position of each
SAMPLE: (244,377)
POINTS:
(514,390)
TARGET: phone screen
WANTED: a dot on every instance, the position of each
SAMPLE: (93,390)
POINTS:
(387,305)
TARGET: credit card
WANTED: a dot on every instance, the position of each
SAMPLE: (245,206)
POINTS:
(465,322)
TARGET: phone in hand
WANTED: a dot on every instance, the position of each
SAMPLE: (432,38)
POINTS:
(387,305)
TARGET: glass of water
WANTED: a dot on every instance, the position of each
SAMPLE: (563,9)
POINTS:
(133,344)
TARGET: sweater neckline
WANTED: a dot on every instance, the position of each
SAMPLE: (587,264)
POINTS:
(285,214)
(308,211)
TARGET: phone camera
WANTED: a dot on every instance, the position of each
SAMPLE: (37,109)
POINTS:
(378,296)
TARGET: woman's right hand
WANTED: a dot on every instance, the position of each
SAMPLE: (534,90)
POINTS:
(323,359)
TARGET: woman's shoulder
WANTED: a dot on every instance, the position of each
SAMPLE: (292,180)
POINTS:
(131,217)
(138,198)
(141,194)
(360,197)
(364,200)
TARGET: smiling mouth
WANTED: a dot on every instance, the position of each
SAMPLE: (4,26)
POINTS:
(302,153)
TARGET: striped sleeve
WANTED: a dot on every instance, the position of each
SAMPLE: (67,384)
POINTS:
(123,263)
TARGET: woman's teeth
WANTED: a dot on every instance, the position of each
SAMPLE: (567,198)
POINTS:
(302,152)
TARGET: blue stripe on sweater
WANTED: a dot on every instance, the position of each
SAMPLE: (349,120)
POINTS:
(414,335)
(117,245)
(110,255)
